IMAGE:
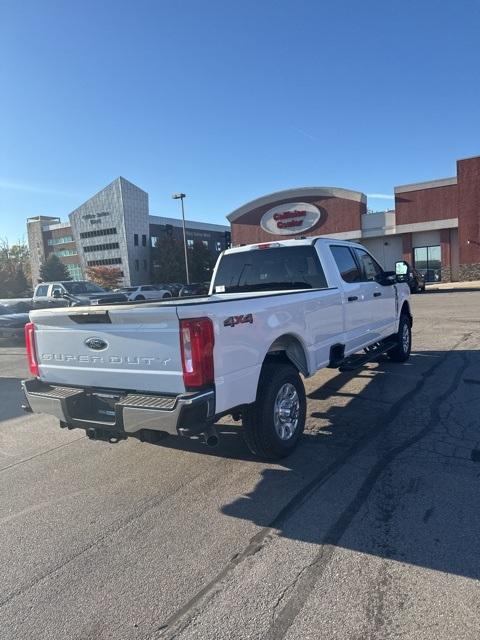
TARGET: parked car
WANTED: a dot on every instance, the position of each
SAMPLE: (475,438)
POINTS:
(17,305)
(145,292)
(173,287)
(194,289)
(406,273)
(12,323)
(276,311)
(73,293)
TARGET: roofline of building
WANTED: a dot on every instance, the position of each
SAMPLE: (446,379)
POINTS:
(40,218)
(193,224)
(430,184)
(119,179)
(468,158)
(271,198)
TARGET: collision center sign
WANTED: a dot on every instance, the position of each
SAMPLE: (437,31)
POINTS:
(291,218)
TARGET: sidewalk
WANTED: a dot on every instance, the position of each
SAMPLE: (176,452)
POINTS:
(472,285)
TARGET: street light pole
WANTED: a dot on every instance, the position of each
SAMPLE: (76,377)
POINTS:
(181,196)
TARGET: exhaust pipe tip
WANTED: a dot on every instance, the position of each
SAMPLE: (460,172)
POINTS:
(212,440)
(210,436)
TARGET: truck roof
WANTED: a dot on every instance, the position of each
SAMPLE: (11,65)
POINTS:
(294,242)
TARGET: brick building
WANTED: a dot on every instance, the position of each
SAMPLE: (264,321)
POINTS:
(435,225)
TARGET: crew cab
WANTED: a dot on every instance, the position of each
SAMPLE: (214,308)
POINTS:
(275,312)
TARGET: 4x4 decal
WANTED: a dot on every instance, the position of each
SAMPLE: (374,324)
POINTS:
(234,320)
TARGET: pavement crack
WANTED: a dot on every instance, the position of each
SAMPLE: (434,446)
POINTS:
(185,615)
(304,587)
(41,453)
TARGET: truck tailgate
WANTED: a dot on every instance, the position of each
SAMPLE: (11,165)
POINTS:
(132,348)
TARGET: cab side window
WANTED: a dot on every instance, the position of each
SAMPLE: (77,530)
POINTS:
(371,270)
(41,291)
(346,263)
(57,287)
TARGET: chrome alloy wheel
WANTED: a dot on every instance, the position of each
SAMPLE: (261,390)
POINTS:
(405,338)
(285,411)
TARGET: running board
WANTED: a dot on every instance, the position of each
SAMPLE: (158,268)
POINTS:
(357,360)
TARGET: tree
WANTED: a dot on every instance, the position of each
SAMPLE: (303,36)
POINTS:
(168,261)
(53,269)
(106,277)
(201,262)
(14,270)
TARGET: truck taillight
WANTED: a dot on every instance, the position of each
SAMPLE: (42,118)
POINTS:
(196,343)
(31,351)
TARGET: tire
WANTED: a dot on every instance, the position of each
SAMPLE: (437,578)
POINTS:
(279,387)
(166,295)
(140,298)
(403,338)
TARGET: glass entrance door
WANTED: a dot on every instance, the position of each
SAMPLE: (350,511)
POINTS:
(428,260)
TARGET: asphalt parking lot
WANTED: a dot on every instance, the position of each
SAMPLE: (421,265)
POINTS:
(370,530)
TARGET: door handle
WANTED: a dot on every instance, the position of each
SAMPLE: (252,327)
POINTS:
(377,294)
(352,298)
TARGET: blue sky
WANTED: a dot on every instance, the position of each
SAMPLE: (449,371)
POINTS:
(228,100)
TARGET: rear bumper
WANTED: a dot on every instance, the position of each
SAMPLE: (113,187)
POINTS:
(121,412)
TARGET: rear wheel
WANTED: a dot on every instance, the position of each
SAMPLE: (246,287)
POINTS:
(140,298)
(274,423)
(403,339)
(166,295)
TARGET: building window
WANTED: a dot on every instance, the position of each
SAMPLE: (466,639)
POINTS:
(105,261)
(144,265)
(62,240)
(218,246)
(137,265)
(190,244)
(144,240)
(428,260)
(135,239)
(205,243)
(98,232)
(74,271)
(101,247)
(66,252)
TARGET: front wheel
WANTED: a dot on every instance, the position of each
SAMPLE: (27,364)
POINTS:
(140,298)
(403,340)
(274,423)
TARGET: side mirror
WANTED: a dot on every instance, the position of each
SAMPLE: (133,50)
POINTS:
(388,278)
(402,268)
(57,294)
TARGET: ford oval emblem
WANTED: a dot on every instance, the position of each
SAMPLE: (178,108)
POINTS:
(97,344)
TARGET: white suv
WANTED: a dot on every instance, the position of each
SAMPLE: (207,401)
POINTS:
(145,292)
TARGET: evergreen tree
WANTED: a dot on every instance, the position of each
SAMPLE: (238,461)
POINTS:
(168,261)
(53,270)
(201,262)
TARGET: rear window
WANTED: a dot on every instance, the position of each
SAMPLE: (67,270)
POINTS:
(269,270)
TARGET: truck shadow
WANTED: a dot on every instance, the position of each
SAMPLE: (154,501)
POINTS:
(11,398)
(358,483)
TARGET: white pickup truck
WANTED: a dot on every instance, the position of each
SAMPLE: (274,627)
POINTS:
(274,311)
